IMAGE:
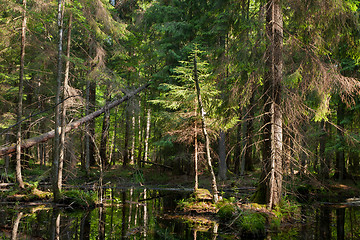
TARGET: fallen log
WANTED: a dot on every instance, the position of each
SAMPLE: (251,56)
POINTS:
(49,135)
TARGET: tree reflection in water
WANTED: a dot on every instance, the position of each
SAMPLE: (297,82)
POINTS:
(149,214)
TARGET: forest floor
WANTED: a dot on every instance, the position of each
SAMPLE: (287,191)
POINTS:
(303,189)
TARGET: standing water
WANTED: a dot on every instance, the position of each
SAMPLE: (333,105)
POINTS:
(151,214)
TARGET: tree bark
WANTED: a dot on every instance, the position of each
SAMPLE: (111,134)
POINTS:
(270,186)
(147,136)
(249,136)
(237,154)
(222,156)
(196,152)
(20,103)
(65,94)
(16,225)
(324,168)
(91,130)
(340,171)
(139,136)
(104,137)
(56,148)
(275,31)
(127,135)
(49,135)
(132,158)
(207,141)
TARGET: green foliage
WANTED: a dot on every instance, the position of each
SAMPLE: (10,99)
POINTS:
(286,211)
(252,223)
(226,212)
(138,177)
(79,199)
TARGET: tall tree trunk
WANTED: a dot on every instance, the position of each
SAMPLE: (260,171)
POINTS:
(56,147)
(139,136)
(196,152)
(275,31)
(340,171)
(270,186)
(65,94)
(222,155)
(7,157)
(127,135)
(132,158)
(324,172)
(20,103)
(87,129)
(249,136)
(237,154)
(92,104)
(147,136)
(207,141)
(105,136)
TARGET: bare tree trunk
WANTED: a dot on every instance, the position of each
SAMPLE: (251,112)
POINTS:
(207,141)
(132,159)
(92,104)
(237,154)
(127,135)
(87,129)
(140,137)
(249,136)
(222,156)
(340,171)
(56,147)
(20,103)
(16,226)
(65,94)
(7,157)
(104,137)
(324,172)
(275,32)
(196,152)
(270,185)
(147,136)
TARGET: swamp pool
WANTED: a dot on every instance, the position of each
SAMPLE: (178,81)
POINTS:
(151,214)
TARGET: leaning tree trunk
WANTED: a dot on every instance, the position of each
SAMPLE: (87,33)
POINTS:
(207,141)
(19,109)
(56,147)
(49,135)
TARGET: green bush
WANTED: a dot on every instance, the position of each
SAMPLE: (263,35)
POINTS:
(252,223)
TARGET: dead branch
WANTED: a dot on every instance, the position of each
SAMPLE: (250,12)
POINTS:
(49,135)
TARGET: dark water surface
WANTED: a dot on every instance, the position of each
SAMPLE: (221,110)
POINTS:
(149,214)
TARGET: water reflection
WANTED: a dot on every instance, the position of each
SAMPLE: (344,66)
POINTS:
(149,214)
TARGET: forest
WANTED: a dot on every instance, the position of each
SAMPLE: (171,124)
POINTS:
(211,95)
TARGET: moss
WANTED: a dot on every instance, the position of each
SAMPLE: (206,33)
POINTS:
(252,223)
(226,212)
(79,199)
